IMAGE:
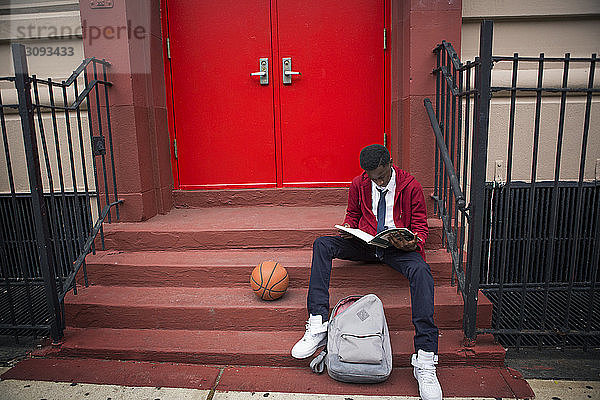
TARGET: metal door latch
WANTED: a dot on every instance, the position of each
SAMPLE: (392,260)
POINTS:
(287,70)
(263,64)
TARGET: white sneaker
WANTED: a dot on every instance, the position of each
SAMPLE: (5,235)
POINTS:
(424,372)
(314,337)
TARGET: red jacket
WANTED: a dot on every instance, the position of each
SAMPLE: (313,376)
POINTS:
(409,206)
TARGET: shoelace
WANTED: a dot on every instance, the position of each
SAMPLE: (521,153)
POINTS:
(308,333)
(427,375)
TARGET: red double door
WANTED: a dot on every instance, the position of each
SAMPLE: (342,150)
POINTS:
(272,93)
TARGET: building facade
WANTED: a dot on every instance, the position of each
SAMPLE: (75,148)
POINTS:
(175,116)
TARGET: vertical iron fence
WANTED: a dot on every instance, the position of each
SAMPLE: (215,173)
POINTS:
(529,237)
(57,186)
(460,124)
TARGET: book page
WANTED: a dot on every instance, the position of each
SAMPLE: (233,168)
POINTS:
(362,235)
(385,235)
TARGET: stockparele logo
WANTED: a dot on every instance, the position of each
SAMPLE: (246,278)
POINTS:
(88,32)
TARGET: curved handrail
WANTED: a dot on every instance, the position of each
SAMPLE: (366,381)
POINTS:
(83,65)
(87,248)
(458,194)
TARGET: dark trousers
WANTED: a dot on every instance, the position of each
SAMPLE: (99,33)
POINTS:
(410,264)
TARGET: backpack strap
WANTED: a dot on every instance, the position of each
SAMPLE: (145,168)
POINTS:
(318,363)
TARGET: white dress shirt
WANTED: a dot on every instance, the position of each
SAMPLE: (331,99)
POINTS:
(389,199)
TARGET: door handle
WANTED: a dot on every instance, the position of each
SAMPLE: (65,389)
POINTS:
(263,65)
(287,70)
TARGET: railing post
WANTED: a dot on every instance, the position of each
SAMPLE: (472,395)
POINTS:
(40,211)
(478,177)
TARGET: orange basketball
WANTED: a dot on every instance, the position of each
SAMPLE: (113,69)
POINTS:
(269,280)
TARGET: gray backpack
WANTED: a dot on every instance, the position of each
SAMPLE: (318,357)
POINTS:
(358,342)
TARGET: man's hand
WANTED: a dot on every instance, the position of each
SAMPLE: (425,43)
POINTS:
(399,242)
(345,235)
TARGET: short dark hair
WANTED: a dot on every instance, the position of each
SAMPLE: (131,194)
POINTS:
(373,156)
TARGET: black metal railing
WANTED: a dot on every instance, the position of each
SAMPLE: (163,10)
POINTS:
(460,124)
(52,202)
(528,242)
(454,233)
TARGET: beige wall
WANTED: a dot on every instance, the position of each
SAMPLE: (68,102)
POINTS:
(38,24)
(17,154)
(529,28)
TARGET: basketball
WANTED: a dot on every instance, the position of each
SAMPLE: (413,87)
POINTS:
(269,280)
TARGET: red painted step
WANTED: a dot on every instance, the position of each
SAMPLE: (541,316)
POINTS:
(456,381)
(265,348)
(240,309)
(260,197)
(294,197)
(235,227)
(114,372)
(232,268)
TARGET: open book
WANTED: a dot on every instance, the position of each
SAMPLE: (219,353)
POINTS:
(381,240)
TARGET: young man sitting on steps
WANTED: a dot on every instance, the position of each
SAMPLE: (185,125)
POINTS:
(384,196)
